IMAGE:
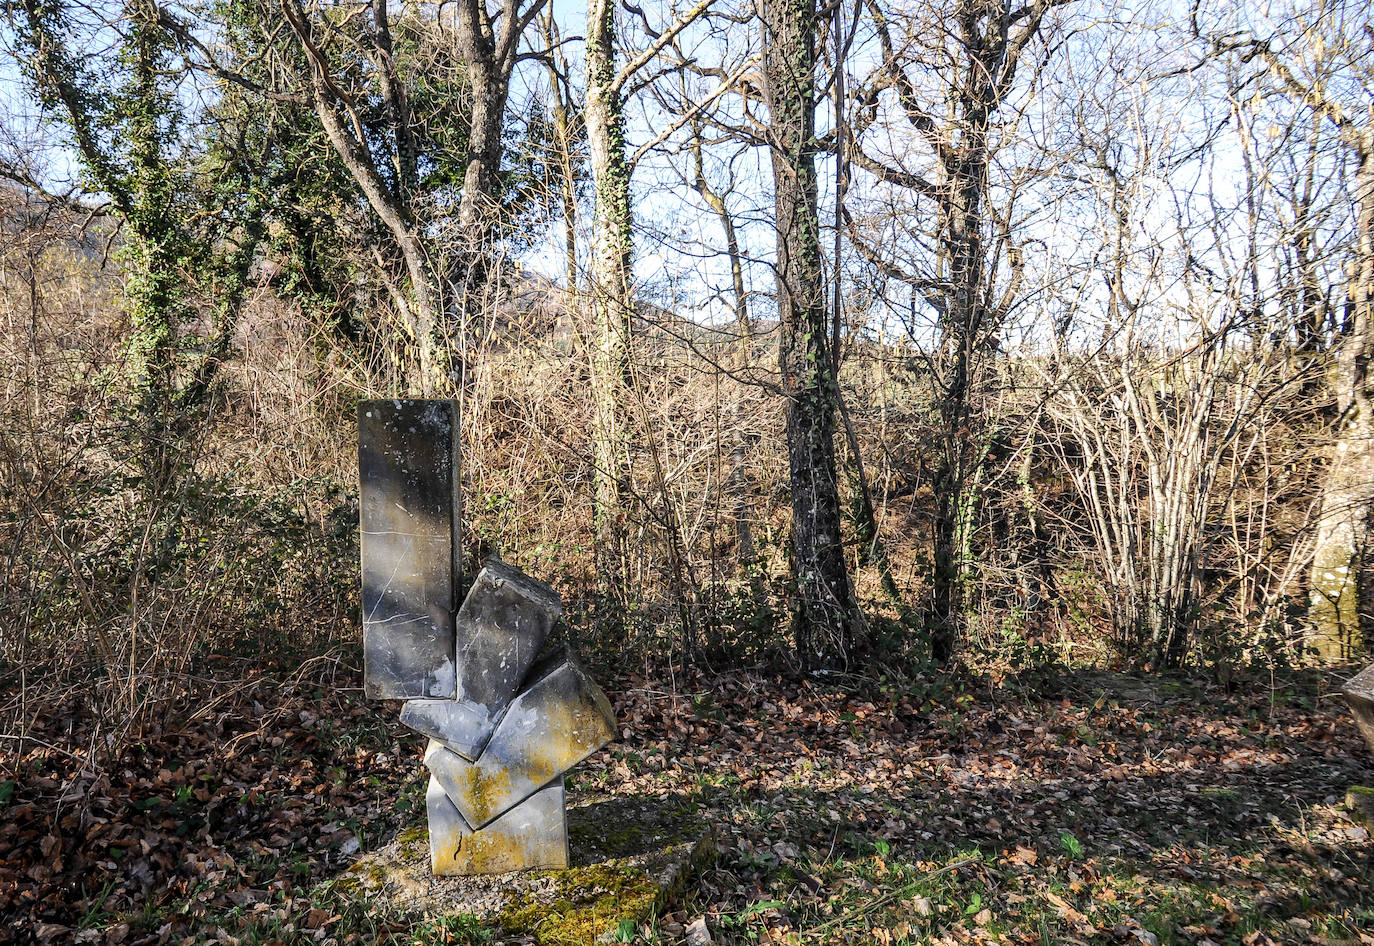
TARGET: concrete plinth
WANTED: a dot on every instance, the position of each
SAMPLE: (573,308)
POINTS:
(630,858)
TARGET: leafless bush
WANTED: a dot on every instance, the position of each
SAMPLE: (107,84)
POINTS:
(109,605)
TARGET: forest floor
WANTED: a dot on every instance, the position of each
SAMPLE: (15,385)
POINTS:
(1090,808)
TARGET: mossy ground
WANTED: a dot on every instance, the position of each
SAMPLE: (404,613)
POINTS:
(589,902)
(412,840)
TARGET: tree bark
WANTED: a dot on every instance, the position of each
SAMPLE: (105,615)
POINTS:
(964,324)
(1340,609)
(609,289)
(490,59)
(610,276)
(563,116)
(426,306)
(826,621)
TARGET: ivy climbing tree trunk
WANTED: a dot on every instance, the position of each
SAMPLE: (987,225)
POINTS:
(126,124)
(827,625)
(150,293)
(609,289)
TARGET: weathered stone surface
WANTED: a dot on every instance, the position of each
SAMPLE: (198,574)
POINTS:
(503,622)
(1359,696)
(533,834)
(557,721)
(459,725)
(408,470)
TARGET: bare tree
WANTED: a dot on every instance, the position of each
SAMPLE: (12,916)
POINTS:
(611,277)
(568,132)
(348,60)
(128,120)
(1318,56)
(488,35)
(971,280)
(828,625)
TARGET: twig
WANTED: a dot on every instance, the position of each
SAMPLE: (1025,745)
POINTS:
(889,897)
(46,745)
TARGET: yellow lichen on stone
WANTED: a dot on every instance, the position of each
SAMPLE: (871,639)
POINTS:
(486,788)
(533,834)
(496,852)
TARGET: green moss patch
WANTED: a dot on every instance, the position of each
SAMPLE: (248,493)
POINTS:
(589,902)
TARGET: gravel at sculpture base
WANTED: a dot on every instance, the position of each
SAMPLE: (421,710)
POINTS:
(628,859)
(503,730)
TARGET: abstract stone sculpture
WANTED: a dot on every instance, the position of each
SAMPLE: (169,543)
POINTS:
(502,730)
(1359,696)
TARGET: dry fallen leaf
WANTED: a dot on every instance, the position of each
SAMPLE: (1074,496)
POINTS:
(698,934)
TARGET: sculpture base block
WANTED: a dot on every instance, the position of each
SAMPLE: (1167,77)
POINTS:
(629,857)
(531,835)
(1359,800)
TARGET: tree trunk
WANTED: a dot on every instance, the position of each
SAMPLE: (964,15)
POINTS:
(609,290)
(826,621)
(964,327)
(357,158)
(489,79)
(1339,612)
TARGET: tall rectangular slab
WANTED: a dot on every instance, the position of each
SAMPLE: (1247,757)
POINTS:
(533,834)
(503,622)
(555,723)
(409,518)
